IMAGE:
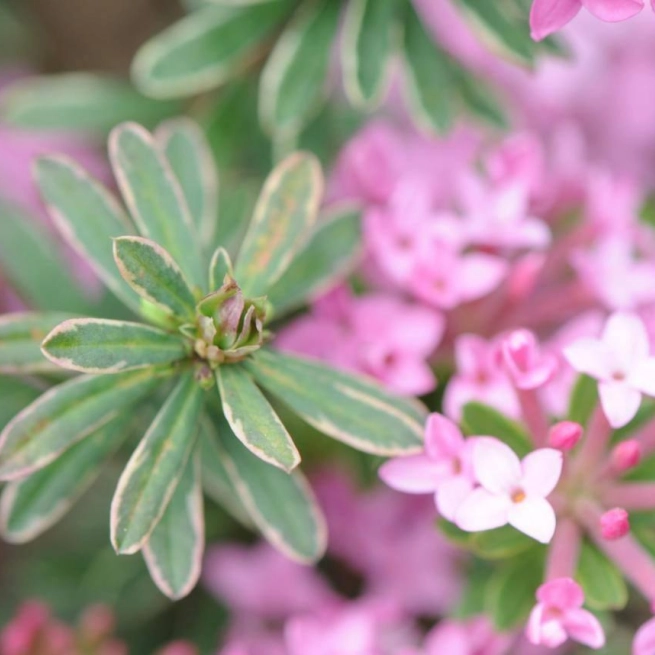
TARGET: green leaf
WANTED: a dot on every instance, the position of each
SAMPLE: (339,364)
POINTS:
(97,345)
(501,543)
(282,506)
(87,216)
(30,506)
(20,341)
(603,585)
(286,211)
(219,267)
(455,535)
(16,394)
(79,101)
(293,82)
(175,548)
(369,39)
(45,284)
(481,420)
(154,196)
(427,77)
(205,49)
(216,481)
(253,420)
(192,162)
(505,33)
(329,256)
(151,476)
(511,590)
(352,409)
(154,275)
(479,98)
(584,399)
(66,414)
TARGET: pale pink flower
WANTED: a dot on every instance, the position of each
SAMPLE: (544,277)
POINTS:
(512,491)
(613,272)
(620,361)
(644,641)
(548,16)
(558,616)
(480,377)
(525,362)
(443,469)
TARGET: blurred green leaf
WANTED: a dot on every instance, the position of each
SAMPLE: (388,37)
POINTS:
(96,345)
(154,197)
(281,505)
(21,335)
(65,415)
(253,420)
(87,216)
(329,256)
(16,394)
(284,216)
(293,82)
(192,162)
(155,468)
(481,420)
(219,267)
(175,548)
(30,506)
(501,543)
(205,49)
(603,584)
(584,398)
(369,38)
(352,409)
(79,101)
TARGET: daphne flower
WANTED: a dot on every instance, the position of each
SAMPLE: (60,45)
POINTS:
(620,361)
(527,365)
(644,641)
(512,491)
(558,615)
(443,469)
(548,16)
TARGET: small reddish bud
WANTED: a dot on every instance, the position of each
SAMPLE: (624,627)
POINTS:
(565,435)
(614,524)
(626,455)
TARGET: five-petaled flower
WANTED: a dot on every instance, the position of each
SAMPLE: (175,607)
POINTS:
(620,361)
(511,490)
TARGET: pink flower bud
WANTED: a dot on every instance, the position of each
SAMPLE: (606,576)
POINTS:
(626,455)
(614,524)
(565,435)
(528,367)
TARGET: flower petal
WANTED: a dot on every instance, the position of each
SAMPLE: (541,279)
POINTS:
(495,465)
(619,401)
(642,376)
(534,517)
(544,632)
(442,437)
(613,11)
(548,16)
(562,593)
(625,335)
(451,494)
(414,474)
(590,356)
(541,471)
(482,510)
(644,642)
(584,628)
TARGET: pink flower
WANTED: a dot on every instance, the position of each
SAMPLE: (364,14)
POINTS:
(479,377)
(377,335)
(558,616)
(620,361)
(548,16)
(475,636)
(614,524)
(644,641)
(526,364)
(444,468)
(512,491)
